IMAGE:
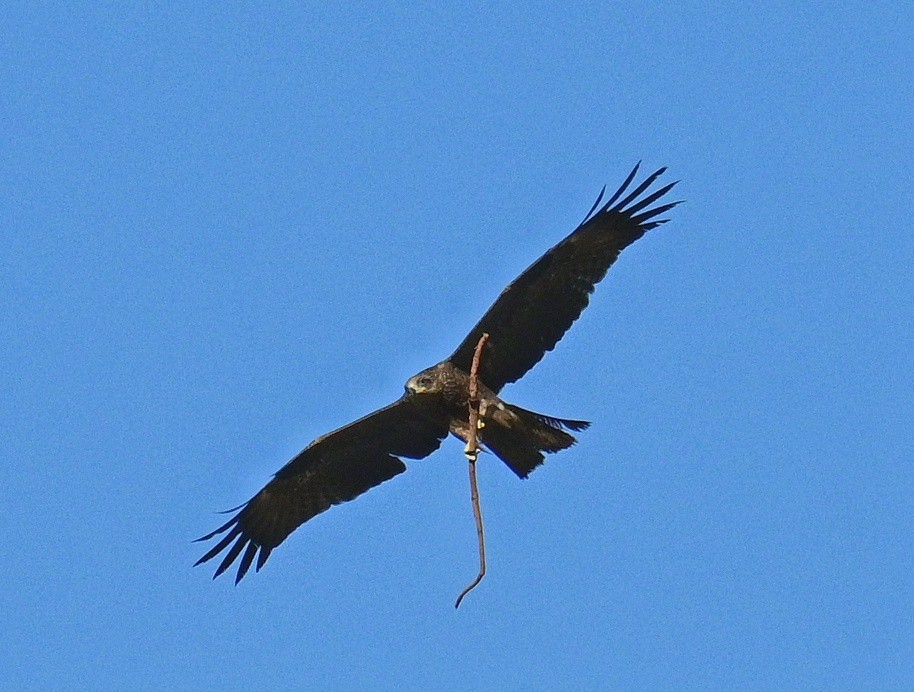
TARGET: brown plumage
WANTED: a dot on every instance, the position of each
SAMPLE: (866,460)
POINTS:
(528,319)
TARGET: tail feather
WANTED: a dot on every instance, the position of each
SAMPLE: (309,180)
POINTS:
(521,444)
(512,448)
(558,423)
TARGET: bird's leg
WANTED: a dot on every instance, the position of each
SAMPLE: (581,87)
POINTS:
(479,407)
(471,449)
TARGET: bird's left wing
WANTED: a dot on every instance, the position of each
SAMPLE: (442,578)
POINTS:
(537,308)
(335,468)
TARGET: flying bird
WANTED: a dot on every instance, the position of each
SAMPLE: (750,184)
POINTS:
(528,319)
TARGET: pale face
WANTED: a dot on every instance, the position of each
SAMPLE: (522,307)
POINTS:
(425,382)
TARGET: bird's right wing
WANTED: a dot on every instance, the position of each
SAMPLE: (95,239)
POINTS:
(335,468)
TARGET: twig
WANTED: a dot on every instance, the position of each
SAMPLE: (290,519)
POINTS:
(472,452)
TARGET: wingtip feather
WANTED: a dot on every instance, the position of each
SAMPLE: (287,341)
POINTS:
(595,205)
(637,210)
(220,546)
(622,187)
(232,554)
(262,557)
(246,561)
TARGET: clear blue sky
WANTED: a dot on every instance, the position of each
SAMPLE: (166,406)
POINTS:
(227,231)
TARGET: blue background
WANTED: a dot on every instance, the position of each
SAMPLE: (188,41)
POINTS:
(226,231)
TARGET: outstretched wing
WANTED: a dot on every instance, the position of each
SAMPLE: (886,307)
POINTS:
(335,468)
(536,309)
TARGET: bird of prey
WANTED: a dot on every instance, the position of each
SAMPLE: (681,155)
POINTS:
(528,319)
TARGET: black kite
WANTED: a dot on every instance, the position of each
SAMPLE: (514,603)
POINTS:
(527,320)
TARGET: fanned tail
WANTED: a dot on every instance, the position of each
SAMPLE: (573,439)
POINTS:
(522,445)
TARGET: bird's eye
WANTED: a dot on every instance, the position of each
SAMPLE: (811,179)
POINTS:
(425,381)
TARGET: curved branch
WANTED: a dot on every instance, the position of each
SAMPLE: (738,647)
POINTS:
(472,453)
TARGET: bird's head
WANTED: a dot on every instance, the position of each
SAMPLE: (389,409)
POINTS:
(426,382)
